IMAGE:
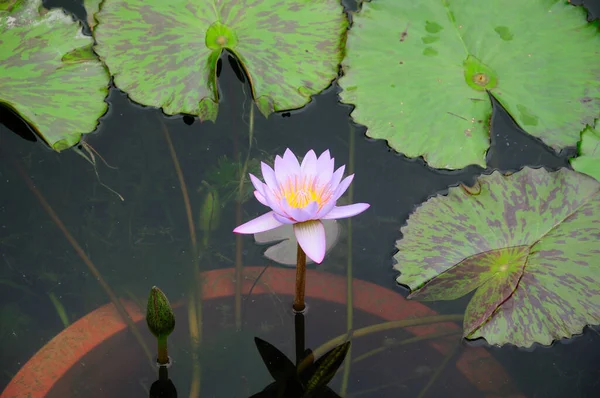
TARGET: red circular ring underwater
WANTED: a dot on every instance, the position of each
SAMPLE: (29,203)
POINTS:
(37,377)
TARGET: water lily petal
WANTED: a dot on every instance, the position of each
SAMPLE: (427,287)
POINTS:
(325,168)
(286,208)
(286,166)
(346,211)
(283,219)
(336,178)
(309,164)
(327,207)
(258,184)
(324,158)
(269,176)
(259,224)
(342,187)
(311,238)
(304,214)
(273,202)
(260,197)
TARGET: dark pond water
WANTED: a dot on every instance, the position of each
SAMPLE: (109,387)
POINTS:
(144,241)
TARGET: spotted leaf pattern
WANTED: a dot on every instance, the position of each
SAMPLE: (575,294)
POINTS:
(528,244)
(49,74)
(164,53)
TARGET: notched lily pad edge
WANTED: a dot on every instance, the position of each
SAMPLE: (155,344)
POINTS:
(423,158)
(482,342)
(475,189)
(70,57)
(209,108)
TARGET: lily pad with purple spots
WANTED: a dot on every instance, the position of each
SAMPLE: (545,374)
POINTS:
(588,159)
(528,244)
(164,53)
(49,74)
(419,73)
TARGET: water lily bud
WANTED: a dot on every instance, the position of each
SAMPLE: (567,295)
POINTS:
(159,314)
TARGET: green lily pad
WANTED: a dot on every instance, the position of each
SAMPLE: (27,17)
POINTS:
(527,243)
(418,73)
(164,53)
(588,161)
(49,74)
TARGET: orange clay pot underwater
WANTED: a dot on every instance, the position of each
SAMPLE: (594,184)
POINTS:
(94,340)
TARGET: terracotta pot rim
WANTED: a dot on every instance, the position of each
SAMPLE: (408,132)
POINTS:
(37,377)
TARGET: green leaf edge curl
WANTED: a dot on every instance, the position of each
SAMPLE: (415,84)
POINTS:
(394,114)
(588,149)
(206,108)
(33,11)
(432,246)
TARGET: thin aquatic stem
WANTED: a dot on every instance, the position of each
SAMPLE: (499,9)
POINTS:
(349,274)
(184,190)
(299,304)
(86,260)
(195,336)
(238,221)
(195,294)
(380,327)
(439,369)
(410,340)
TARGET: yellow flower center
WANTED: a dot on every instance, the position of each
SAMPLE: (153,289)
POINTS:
(300,198)
(299,191)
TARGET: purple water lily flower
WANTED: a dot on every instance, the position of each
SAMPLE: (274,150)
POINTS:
(302,194)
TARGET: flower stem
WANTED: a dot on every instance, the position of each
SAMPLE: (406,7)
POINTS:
(163,353)
(300,280)
(299,332)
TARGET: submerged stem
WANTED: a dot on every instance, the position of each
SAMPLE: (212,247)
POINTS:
(94,271)
(300,280)
(426,320)
(349,276)
(410,340)
(238,220)
(440,369)
(195,296)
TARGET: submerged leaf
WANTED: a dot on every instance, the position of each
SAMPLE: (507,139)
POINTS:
(48,73)
(311,383)
(164,53)
(279,366)
(588,161)
(325,368)
(418,73)
(528,243)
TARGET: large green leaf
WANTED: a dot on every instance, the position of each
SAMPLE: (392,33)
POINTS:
(588,159)
(164,53)
(528,243)
(418,72)
(48,72)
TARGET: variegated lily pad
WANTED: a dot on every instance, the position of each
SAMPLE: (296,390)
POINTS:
(527,243)
(588,159)
(49,74)
(419,73)
(284,251)
(164,53)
